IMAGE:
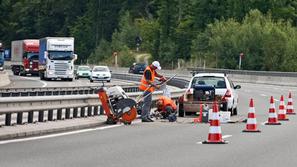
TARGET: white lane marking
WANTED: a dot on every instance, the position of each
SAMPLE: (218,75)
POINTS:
(44,83)
(276,100)
(223,137)
(226,136)
(57,135)
(263,95)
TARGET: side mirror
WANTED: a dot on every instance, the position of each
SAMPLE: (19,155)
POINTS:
(237,87)
(75,56)
(45,54)
(110,71)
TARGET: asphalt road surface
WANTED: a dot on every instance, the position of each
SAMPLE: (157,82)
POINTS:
(168,144)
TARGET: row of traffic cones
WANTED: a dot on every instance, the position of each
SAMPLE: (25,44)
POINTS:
(215,134)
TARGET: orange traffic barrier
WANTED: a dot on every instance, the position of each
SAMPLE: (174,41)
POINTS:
(272,118)
(290,109)
(215,132)
(251,125)
(281,110)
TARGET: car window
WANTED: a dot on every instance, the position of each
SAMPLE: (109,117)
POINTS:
(103,69)
(83,68)
(217,82)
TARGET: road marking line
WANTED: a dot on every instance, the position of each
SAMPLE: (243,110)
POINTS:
(276,100)
(263,95)
(223,137)
(57,135)
(44,83)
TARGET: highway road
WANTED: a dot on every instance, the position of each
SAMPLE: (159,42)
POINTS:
(168,144)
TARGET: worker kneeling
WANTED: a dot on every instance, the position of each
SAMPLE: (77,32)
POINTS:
(166,108)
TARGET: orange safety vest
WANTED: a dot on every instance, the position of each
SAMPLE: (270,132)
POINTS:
(167,102)
(144,86)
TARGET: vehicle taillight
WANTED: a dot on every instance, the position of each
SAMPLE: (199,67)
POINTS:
(227,95)
(188,92)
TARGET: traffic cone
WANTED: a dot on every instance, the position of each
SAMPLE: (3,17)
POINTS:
(290,109)
(282,111)
(272,118)
(251,125)
(215,133)
(199,119)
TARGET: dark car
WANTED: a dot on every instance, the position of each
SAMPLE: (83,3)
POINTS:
(137,68)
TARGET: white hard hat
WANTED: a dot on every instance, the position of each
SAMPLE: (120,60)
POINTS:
(157,65)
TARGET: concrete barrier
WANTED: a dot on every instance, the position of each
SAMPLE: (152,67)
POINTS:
(4,79)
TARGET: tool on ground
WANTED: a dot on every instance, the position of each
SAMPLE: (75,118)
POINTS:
(282,116)
(251,125)
(117,105)
(215,133)
(272,118)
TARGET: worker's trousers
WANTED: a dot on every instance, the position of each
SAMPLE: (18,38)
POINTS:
(146,107)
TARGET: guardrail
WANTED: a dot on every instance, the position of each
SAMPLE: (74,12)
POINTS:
(50,91)
(64,107)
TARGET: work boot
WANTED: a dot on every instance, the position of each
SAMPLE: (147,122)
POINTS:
(145,120)
(150,119)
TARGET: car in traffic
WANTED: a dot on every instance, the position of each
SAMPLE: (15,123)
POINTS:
(224,90)
(83,72)
(100,73)
(137,68)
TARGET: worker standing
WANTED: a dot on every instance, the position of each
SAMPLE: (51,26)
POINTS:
(148,85)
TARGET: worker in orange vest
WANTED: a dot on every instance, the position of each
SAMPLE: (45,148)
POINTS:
(148,85)
(167,108)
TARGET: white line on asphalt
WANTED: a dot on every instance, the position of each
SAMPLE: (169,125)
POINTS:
(263,95)
(44,83)
(57,135)
(223,137)
(276,100)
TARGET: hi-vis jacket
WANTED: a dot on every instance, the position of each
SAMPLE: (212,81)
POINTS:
(167,102)
(144,86)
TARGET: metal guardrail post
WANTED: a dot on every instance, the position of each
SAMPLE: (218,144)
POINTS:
(82,112)
(8,119)
(75,111)
(30,116)
(95,110)
(90,111)
(41,116)
(101,110)
(19,118)
(50,115)
(59,114)
(67,113)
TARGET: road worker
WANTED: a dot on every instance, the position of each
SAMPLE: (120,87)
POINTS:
(167,108)
(148,85)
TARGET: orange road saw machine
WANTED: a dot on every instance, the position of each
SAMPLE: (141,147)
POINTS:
(117,105)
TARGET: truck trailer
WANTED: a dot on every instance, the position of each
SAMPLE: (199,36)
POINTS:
(24,57)
(56,58)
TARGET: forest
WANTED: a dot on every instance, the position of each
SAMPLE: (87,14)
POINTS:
(210,33)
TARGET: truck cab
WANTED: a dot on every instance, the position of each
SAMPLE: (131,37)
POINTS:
(25,57)
(56,58)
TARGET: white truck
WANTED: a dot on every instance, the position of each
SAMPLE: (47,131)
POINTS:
(56,58)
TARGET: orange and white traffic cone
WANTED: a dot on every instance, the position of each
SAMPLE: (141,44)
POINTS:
(290,109)
(282,111)
(215,133)
(251,125)
(272,118)
(199,119)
